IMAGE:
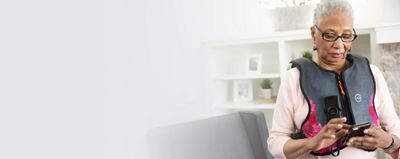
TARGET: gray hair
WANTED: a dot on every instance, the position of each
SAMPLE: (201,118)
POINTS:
(329,7)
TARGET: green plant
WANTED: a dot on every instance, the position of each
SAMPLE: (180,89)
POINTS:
(266,84)
(307,54)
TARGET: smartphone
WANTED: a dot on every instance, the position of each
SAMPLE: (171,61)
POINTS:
(358,129)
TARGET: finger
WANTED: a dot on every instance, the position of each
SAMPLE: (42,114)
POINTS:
(368,145)
(354,141)
(373,131)
(346,126)
(341,133)
(334,126)
(370,141)
(363,142)
(363,145)
(337,120)
(328,136)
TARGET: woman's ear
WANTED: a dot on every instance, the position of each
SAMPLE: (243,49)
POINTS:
(312,30)
(313,36)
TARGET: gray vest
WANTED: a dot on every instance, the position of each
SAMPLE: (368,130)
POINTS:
(317,83)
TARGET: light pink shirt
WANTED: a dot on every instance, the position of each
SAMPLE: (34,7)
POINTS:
(291,110)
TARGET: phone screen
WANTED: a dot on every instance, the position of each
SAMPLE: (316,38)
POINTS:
(358,129)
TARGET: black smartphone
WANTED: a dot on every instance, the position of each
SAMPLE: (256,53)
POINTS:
(358,129)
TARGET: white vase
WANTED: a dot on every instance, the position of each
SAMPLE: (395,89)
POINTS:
(266,93)
(293,18)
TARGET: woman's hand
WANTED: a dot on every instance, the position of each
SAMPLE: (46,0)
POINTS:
(374,138)
(329,134)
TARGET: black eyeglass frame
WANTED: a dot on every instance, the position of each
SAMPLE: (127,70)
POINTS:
(341,37)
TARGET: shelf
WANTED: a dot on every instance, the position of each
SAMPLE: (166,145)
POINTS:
(274,37)
(248,76)
(266,38)
(249,105)
(388,33)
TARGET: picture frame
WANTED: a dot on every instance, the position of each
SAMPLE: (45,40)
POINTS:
(253,64)
(242,91)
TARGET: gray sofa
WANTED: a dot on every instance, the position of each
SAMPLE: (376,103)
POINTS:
(241,135)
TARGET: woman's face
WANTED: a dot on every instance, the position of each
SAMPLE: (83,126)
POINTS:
(333,52)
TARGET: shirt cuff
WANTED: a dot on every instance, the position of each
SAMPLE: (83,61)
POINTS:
(278,146)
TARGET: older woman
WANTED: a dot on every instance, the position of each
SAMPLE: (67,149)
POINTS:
(319,101)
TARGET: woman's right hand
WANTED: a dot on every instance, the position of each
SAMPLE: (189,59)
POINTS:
(329,134)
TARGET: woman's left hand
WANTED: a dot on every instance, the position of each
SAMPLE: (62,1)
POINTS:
(374,138)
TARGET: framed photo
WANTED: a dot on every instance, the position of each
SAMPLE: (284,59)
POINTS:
(242,91)
(253,64)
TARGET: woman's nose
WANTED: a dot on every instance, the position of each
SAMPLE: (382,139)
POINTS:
(338,43)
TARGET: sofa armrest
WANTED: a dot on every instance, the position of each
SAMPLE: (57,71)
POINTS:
(257,131)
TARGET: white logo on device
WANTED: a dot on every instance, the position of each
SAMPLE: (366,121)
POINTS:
(358,98)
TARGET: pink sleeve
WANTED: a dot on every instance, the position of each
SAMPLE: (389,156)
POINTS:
(283,119)
(384,104)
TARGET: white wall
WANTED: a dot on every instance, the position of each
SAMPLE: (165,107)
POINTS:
(391,11)
(241,17)
(86,79)
(167,71)
(51,79)
(367,13)
(370,13)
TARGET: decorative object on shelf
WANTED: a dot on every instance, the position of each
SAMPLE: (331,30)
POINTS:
(253,64)
(290,3)
(293,17)
(307,54)
(272,4)
(266,89)
(242,91)
(266,101)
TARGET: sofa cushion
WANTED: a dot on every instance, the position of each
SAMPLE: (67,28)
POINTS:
(222,137)
(233,136)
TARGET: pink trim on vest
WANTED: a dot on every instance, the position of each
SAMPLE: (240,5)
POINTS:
(372,111)
(312,127)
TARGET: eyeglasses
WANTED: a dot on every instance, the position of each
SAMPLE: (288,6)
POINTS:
(332,37)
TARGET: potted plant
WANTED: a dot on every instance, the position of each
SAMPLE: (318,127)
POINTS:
(307,54)
(266,89)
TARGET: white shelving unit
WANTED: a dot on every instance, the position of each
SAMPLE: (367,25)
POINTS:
(251,76)
(245,106)
(227,62)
